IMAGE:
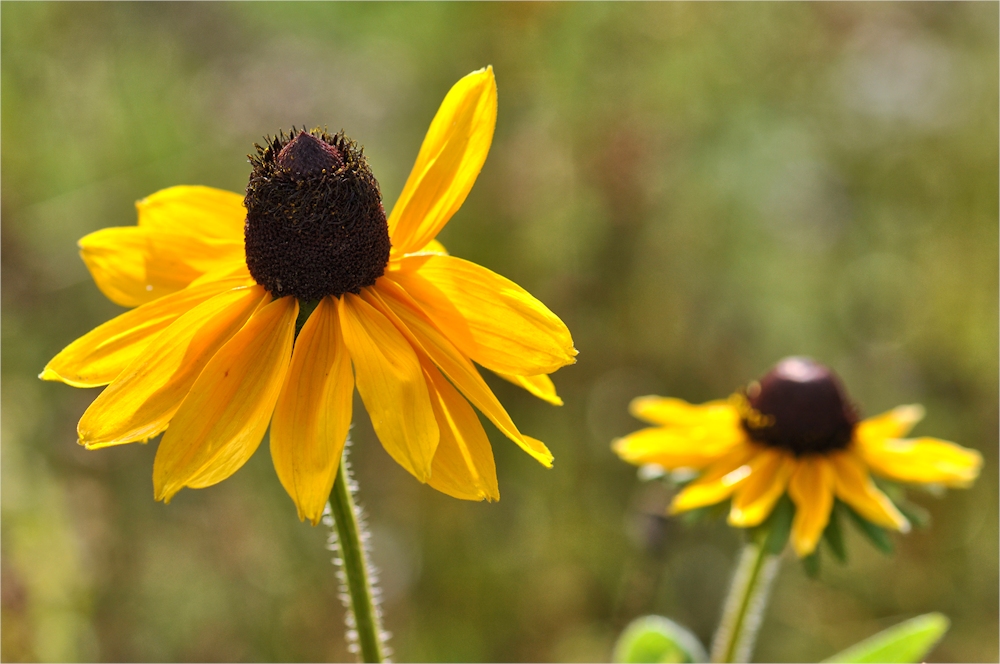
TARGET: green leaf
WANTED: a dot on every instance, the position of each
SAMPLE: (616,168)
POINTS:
(834,536)
(658,639)
(876,534)
(908,641)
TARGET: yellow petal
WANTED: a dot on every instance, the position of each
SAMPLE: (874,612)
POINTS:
(678,448)
(433,247)
(893,424)
(203,211)
(541,386)
(922,460)
(140,402)
(313,413)
(391,384)
(98,357)
(452,154)
(811,489)
(135,265)
(408,317)
(718,481)
(491,319)
(753,502)
(224,417)
(116,258)
(668,411)
(463,463)
(854,486)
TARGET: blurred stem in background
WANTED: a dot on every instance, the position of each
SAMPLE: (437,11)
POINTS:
(747,600)
(364,620)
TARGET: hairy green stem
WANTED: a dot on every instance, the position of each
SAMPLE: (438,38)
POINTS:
(745,604)
(364,620)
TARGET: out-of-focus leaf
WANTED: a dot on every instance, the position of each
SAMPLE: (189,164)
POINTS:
(909,641)
(658,639)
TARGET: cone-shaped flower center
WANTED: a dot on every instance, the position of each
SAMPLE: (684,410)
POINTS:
(800,406)
(315,222)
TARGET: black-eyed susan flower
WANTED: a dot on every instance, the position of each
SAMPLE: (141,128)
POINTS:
(794,431)
(209,354)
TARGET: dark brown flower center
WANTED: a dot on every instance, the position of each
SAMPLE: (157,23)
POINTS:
(800,406)
(315,222)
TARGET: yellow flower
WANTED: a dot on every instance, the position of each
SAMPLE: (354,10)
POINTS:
(793,431)
(210,355)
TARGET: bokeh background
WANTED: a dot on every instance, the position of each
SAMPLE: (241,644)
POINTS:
(697,189)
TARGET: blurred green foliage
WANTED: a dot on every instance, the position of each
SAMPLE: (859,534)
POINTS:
(697,189)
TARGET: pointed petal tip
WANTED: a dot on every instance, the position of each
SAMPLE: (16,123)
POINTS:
(803,548)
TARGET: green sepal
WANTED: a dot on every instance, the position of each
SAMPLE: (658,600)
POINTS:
(811,564)
(706,513)
(305,310)
(877,535)
(833,535)
(773,533)
(909,641)
(657,639)
(917,515)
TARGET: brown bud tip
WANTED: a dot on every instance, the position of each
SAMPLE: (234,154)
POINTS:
(307,155)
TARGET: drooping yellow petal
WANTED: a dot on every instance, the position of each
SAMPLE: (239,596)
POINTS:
(811,488)
(463,463)
(313,413)
(99,356)
(194,210)
(411,320)
(224,417)
(391,384)
(678,447)
(854,486)
(452,154)
(117,257)
(134,265)
(489,318)
(922,460)
(755,498)
(895,423)
(141,401)
(668,411)
(718,481)
(541,386)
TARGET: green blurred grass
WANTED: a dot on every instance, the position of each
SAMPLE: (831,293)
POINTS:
(696,189)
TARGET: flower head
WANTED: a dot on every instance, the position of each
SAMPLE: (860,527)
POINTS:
(271,309)
(793,431)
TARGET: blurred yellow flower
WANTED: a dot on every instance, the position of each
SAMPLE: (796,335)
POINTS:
(793,431)
(218,283)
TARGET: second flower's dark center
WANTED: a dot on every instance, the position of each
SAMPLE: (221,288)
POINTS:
(800,406)
(315,222)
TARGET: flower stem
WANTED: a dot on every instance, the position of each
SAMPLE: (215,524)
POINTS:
(745,604)
(364,620)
